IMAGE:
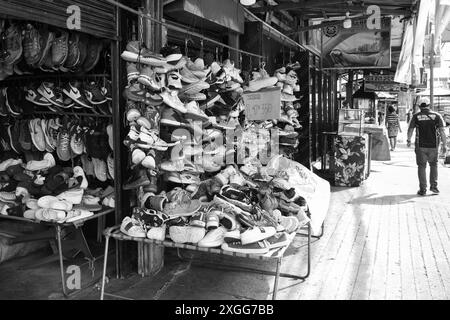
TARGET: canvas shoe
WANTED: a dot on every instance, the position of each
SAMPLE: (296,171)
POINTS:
(256,234)
(278,240)
(214,238)
(74,92)
(93,93)
(133,114)
(31,45)
(186,234)
(260,247)
(232,236)
(132,228)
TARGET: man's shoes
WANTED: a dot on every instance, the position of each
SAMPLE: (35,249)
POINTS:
(434,190)
(422,192)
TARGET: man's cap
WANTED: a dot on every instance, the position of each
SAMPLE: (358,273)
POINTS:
(424,102)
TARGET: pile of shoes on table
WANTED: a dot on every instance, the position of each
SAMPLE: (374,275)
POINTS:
(42,190)
(183,164)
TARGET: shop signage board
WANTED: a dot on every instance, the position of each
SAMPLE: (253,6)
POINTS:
(264,104)
(381,83)
(357,47)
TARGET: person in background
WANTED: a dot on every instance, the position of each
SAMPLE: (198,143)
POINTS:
(380,118)
(428,125)
(408,115)
(393,126)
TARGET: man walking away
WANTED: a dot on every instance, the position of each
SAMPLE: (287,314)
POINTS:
(428,125)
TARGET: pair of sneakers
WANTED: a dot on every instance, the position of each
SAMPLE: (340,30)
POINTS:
(423,192)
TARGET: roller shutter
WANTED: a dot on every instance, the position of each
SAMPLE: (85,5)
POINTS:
(97,17)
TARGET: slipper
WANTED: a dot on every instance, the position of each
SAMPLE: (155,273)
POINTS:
(50,215)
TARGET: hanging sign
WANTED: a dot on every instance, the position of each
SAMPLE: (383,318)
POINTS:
(381,83)
(357,46)
(264,104)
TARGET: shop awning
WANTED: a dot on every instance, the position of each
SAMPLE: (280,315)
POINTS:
(436,92)
(208,14)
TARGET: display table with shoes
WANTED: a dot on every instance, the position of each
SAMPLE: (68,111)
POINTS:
(69,237)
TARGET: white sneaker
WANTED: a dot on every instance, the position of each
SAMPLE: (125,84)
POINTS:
(79,172)
(132,228)
(253,235)
(157,233)
(44,164)
(213,238)
(74,196)
(171,99)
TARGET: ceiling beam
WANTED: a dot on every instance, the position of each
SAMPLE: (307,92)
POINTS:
(304,4)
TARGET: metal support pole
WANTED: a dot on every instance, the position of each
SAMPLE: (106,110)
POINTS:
(105,263)
(61,263)
(277,276)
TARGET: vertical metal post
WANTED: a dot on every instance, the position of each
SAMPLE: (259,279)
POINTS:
(432,72)
(105,263)
(61,263)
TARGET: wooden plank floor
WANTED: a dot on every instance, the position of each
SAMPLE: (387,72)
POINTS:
(381,240)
